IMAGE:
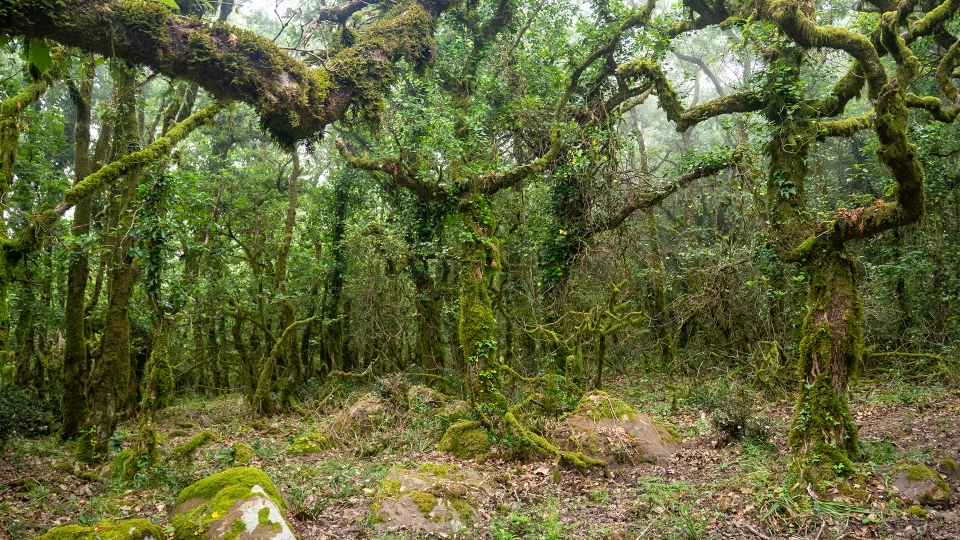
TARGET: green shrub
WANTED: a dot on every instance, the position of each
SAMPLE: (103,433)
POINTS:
(731,409)
(24,415)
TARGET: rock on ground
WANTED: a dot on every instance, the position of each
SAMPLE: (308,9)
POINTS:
(606,428)
(130,529)
(433,498)
(237,504)
(362,418)
(921,484)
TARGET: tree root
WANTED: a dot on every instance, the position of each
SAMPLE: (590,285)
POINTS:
(578,459)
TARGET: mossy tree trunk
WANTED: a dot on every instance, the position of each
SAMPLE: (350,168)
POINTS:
(430,351)
(823,434)
(659,316)
(76,363)
(291,352)
(111,370)
(477,327)
(334,346)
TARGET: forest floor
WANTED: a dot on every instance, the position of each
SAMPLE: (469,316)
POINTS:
(740,490)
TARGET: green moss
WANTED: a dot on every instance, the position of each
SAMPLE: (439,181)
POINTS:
(389,487)
(950,464)
(919,473)
(425,501)
(190,447)
(598,405)
(439,470)
(236,529)
(466,440)
(240,453)
(462,508)
(311,443)
(122,466)
(131,529)
(232,483)
(916,511)
(219,494)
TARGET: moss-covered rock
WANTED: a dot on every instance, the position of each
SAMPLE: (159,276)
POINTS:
(311,443)
(921,484)
(130,529)
(466,440)
(603,427)
(435,498)
(421,397)
(918,512)
(237,504)
(365,416)
(455,411)
(949,468)
(189,448)
(241,453)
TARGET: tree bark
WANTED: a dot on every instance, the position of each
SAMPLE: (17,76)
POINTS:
(75,358)
(823,434)
(294,102)
(111,371)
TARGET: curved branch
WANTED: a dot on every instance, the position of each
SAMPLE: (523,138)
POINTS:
(787,16)
(294,102)
(933,106)
(658,194)
(395,169)
(670,103)
(93,183)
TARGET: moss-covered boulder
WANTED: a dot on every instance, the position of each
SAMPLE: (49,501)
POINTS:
(465,439)
(362,418)
(237,504)
(241,453)
(311,443)
(603,427)
(433,498)
(422,397)
(130,529)
(454,411)
(949,468)
(917,483)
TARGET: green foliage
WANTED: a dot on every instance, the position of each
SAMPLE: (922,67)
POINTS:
(732,409)
(25,415)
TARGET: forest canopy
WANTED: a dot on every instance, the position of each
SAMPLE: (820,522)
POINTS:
(515,204)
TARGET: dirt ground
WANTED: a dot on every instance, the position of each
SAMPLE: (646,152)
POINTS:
(707,490)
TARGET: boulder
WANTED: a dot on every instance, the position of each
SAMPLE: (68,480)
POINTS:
(920,484)
(949,468)
(237,504)
(130,529)
(606,428)
(241,453)
(362,418)
(433,498)
(455,411)
(465,440)
(422,397)
(311,443)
